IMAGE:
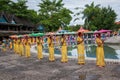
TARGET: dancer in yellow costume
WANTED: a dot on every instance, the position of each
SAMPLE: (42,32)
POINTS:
(11,44)
(33,40)
(4,44)
(64,49)
(3,47)
(99,52)
(21,46)
(27,47)
(57,40)
(80,49)
(14,45)
(51,48)
(39,47)
(17,46)
(29,40)
(23,41)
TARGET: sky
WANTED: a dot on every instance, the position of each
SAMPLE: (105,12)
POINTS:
(72,4)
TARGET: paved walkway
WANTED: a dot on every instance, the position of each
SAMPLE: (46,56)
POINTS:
(14,67)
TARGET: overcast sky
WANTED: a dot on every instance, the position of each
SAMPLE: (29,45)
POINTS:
(71,4)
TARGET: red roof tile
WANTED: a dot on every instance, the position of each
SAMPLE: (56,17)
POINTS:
(117,22)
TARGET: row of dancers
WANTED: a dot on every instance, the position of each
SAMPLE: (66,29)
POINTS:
(22,47)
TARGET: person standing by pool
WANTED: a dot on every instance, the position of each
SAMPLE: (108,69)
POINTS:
(17,46)
(14,44)
(3,47)
(80,49)
(27,47)
(64,49)
(32,39)
(39,47)
(99,51)
(4,43)
(11,44)
(57,40)
(51,48)
(21,44)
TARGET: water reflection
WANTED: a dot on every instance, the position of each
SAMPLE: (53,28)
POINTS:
(90,51)
(110,53)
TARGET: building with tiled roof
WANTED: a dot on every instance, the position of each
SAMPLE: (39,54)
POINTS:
(117,22)
(10,25)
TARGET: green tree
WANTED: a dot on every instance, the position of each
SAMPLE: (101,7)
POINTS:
(52,14)
(98,18)
(74,28)
(90,12)
(32,16)
(19,8)
(5,5)
(108,17)
(104,19)
(117,27)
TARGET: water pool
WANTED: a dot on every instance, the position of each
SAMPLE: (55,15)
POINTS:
(90,52)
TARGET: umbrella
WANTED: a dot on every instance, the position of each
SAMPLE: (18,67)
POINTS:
(82,30)
(90,32)
(31,35)
(50,33)
(103,31)
(25,35)
(40,34)
(19,36)
(36,34)
(13,36)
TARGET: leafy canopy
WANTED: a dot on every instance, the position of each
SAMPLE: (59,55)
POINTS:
(53,15)
(98,18)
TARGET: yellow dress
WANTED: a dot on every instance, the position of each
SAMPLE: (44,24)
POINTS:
(3,47)
(11,45)
(51,50)
(27,49)
(23,42)
(17,46)
(64,51)
(36,39)
(29,40)
(80,49)
(39,49)
(99,53)
(57,41)
(32,40)
(21,48)
(14,44)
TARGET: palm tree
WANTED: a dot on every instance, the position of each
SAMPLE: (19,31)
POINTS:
(89,13)
(53,14)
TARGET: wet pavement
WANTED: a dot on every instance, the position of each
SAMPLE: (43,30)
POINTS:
(15,67)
